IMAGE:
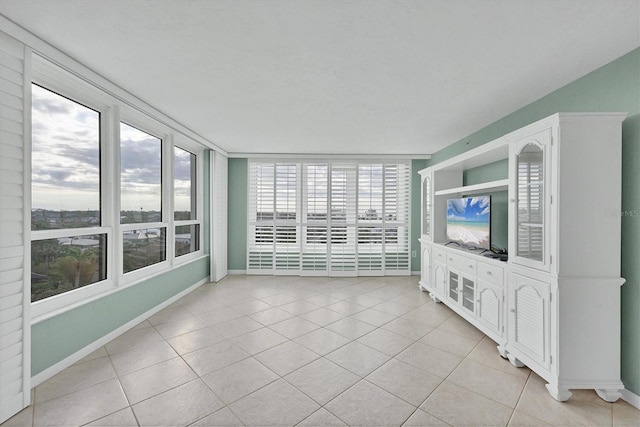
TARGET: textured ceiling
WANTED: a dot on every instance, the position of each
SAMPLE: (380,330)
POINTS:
(401,77)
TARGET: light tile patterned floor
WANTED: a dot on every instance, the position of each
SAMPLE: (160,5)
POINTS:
(285,351)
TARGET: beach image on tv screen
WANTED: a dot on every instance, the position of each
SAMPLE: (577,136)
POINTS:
(469,221)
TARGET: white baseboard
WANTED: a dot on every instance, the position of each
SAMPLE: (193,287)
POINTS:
(236,272)
(415,273)
(83,352)
(631,398)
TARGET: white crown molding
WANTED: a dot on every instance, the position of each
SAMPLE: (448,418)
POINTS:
(382,156)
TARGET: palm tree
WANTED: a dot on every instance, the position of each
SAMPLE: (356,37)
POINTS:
(76,265)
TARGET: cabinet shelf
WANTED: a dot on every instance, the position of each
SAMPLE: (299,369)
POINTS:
(498,185)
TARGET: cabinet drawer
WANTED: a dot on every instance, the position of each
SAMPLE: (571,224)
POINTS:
(461,263)
(491,274)
(439,254)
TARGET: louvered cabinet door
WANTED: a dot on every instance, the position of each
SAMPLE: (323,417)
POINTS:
(529,318)
(489,302)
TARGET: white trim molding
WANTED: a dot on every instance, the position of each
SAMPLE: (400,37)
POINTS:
(236,272)
(631,398)
(329,156)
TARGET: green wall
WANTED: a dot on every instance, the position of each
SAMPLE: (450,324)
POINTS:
(614,87)
(237,214)
(499,199)
(59,337)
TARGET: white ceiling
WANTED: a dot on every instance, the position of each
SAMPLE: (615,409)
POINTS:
(309,76)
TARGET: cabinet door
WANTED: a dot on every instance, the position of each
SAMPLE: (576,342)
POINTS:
(467,297)
(529,207)
(440,279)
(426,267)
(489,306)
(529,325)
(453,285)
(426,206)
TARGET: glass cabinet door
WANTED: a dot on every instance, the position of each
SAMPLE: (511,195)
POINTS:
(530,203)
(426,207)
(454,278)
(468,290)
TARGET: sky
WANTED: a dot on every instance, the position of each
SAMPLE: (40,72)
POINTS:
(66,158)
(469,209)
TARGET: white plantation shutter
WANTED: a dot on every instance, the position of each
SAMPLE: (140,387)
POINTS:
(274,220)
(219,220)
(397,190)
(337,218)
(315,218)
(261,217)
(287,242)
(14,298)
(370,217)
(343,245)
(530,203)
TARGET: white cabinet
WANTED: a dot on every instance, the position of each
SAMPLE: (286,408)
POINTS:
(555,305)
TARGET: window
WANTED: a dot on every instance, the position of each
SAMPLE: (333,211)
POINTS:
(329,217)
(103,211)
(187,229)
(143,233)
(66,196)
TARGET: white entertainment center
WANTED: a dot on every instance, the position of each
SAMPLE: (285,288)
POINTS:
(554,305)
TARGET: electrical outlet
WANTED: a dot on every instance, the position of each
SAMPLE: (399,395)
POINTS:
(413,254)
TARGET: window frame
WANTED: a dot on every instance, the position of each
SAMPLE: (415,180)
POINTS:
(55,79)
(145,124)
(184,144)
(112,111)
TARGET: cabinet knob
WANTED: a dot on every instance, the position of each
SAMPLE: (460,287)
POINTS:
(489,273)
(470,265)
(512,200)
(513,310)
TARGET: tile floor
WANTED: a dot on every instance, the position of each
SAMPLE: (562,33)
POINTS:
(285,351)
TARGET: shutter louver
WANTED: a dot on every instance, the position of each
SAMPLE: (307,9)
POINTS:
(343,219)
(14,365)
(287,245)
(261,209)
(530,185)
(370,217)
(397,189)
(315,218)
(530,317)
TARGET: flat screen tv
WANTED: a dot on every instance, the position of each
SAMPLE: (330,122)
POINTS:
(469,222)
